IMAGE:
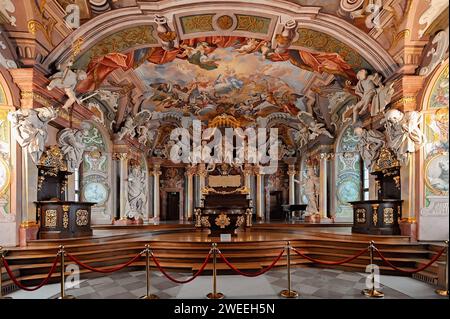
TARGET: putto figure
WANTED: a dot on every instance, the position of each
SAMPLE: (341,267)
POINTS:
(374,95)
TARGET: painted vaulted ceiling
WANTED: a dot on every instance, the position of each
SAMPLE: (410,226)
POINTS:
(260,61)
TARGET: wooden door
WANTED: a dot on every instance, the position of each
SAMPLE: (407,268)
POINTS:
(173,206)
(276,210)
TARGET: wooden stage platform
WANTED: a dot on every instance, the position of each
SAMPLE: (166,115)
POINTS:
(179,246)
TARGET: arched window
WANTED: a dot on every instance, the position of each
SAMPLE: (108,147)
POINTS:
(349,174)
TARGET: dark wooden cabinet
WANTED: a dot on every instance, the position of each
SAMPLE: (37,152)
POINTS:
(224,213)
(63,219)
(376,217)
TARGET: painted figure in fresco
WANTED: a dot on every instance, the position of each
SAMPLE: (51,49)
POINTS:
(136,192)
(67,79)
(374,95)
(72,145)
(403,132)
(441,182)
(311,189)
(199,55)
(369,145)
(30,126)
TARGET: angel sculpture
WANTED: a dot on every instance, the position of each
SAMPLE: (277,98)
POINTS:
(369,145)
(314,129)
(128,128)
(146,131)
(374,95)
(67,79)
(72,145)
(403,132)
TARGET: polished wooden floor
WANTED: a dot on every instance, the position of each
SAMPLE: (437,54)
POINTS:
(179,246)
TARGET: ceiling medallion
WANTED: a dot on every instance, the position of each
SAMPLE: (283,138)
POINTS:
(225,22)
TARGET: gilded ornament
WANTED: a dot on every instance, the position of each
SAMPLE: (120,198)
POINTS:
(253,24)
(50,218)
(197,23)
(225,22)
(205,221)
(388,215)
(240,221)
(82,217)
(223,220)
(361,215)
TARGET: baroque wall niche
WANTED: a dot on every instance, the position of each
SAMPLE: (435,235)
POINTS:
(348,173)
(96,183)
(172,181)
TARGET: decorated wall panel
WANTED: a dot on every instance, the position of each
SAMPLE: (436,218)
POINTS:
(348,174)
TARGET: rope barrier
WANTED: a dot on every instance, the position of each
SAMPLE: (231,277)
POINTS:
(339,262)
(182,281)
(432,261)
(104,271)
(18,284)
(261,272)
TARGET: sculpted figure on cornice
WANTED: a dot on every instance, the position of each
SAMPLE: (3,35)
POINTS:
(403,133)
(30,126)
(111,98)
(67,79)
(128,128)
(309,126)
(369,145)
(438,52)
(71,143)
(374,95)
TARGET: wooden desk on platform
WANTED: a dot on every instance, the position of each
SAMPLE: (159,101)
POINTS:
(377,217)
(63,219)
(223,214)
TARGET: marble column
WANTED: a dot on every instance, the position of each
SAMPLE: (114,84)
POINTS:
(190,170)
(259,194)
(30,182)
(407,184)
(323,189)
(291,173)
(122,159)
(156,187)
(201,182)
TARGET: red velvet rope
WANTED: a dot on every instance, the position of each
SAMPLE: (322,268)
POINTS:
(18,284)
(104,271)
(256,274)
(182,281)
(432,261)
(339,262)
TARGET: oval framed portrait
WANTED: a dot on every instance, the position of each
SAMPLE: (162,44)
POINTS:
(437,174)
(95,192)
(4,176)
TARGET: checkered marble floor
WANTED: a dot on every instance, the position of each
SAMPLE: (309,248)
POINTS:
(311,283)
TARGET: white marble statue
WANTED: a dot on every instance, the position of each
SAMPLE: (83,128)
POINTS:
(369,145)
(374,95)
(311,189)
(403,133)
(136,193)
(67,79)
(147,131)
(71,143)
(30,126)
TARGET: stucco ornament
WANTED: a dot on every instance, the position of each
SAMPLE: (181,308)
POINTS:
(311,188)
(6,8)
(136,192)
(311,127)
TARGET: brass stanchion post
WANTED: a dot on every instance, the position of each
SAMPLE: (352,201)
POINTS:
(148,295)
(372,292)
(215,294)
(1,266)
(289,293)
(62,254)
(441,292)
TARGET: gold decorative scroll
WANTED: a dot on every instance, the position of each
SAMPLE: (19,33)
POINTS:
(240,190)
(50,218)
(224,181)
